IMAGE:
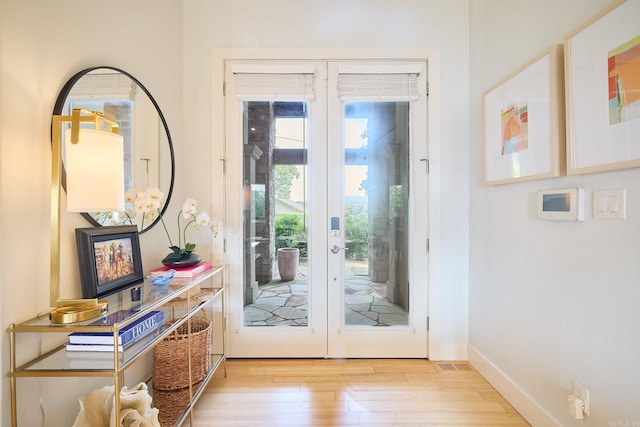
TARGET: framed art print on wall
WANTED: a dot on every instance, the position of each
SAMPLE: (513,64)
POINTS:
(524,122)
(602,77)
(109,259)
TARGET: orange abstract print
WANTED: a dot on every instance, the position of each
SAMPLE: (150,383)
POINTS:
(624,82)
(515,128)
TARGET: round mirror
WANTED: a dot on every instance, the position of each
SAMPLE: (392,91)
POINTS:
(148,151)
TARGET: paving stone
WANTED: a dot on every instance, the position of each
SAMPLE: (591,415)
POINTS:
(296,301)
(358,299)
(360,287)
(252,314)
(271,301)
(299,289)
(280,288)
(284,322)
(266,294)
(274,319)
(370,315)
(359,307)
(290,313)
(266,307)
(355,318)
(384,307)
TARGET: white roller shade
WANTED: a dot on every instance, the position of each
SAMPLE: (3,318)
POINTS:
(285,87)
(388,86)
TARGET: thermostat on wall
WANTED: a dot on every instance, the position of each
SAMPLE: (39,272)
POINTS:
(566,204)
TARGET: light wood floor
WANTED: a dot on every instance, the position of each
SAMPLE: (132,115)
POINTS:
(382,392)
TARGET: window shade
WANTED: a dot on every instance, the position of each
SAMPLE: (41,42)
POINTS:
(396,87)
(289,87)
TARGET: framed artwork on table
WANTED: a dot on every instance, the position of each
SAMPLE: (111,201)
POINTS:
(109,259)
(602,78)
(524,122)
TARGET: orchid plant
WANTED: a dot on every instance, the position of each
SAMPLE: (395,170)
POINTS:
(147,205)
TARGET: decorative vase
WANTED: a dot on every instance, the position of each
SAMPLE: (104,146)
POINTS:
(288,263)
(184,261)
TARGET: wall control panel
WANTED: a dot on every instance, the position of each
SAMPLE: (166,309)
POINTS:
(564,204)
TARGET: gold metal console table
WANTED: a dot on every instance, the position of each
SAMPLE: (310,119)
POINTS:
(180,301)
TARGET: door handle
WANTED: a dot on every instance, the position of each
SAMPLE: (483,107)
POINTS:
(335,249)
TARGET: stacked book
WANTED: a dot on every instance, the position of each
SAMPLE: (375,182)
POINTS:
(185,272)
(127,336)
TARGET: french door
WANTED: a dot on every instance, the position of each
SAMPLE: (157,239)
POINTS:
(326,200)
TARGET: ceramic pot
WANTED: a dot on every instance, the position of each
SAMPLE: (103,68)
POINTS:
(184,261)
(288,263)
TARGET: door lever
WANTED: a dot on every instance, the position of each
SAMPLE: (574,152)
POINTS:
(335,249)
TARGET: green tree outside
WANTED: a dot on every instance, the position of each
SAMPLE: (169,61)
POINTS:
(356,225)
(284,176)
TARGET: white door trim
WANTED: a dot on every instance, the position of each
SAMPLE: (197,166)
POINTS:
(432,56)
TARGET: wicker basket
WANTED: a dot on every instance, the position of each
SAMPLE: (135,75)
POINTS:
(171,356)
(171,404)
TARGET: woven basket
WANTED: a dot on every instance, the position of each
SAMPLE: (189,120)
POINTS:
(171,404)
(171,356)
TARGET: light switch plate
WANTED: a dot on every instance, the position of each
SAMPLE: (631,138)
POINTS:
(610,204)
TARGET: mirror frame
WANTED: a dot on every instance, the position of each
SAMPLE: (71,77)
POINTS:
(57,110)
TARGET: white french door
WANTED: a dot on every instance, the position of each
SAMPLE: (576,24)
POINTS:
(326,200)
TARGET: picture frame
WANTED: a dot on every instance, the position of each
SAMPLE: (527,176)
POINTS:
(602,60)
(523,118)
(109,259)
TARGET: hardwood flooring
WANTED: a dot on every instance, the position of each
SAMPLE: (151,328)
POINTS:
(355,392)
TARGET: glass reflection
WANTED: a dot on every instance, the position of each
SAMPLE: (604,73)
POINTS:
(376,206)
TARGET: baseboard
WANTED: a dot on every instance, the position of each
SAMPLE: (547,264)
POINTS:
(521,401)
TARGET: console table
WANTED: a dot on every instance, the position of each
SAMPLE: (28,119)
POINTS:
(180,301)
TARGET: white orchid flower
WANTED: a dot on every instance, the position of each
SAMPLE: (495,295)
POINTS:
(130,195)
(138,206)
(146,205)
(202,218)
(154,203)
(155,194)
(189,208)
(149,204)
(215,228)
(152,215)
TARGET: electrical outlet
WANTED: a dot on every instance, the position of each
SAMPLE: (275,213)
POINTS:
(581,392)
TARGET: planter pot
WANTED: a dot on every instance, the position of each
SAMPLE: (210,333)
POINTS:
(288,263)
(184,261)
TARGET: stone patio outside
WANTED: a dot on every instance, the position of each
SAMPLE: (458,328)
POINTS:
(282,303)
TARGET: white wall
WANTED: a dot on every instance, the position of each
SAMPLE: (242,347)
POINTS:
(44,43)
(354,24)
(550,302)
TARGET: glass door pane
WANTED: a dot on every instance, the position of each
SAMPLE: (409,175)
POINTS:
(276,215)
(376,202)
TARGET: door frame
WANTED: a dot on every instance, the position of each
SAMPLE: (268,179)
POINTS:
(432,57)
